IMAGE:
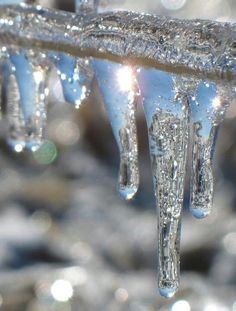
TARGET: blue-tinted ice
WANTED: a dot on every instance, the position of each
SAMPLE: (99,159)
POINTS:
(25,76)
(167,116)
(119,90)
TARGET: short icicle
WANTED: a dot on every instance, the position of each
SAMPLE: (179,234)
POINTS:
(207,111)
(118,87)
(26,99)
(167,117)
(76,76)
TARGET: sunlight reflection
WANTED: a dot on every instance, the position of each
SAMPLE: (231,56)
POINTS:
(18,148)
(125,78)
(216,102)
(62,290)
(38,76)
(181,305)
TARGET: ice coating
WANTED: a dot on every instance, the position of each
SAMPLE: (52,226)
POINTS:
(167,117)
(26,88)
(201,48)
(119,90)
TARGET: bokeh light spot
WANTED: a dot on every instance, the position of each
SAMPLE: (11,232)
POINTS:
(46,154)
(181,305)
(173,4)
(62,290)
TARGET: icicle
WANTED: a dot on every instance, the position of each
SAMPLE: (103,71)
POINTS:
(167,117)
(207,111)
(16,133)
(76,74)
(26,99)
(76,77)
(117,84)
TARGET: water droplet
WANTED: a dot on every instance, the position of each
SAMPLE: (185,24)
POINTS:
(167,123)
(117,85)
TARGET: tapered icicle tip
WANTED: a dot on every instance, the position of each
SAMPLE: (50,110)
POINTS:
(208,109)
(128,193)
(128,175)
(200,212)
(167,117)
(118,87)
(168,292)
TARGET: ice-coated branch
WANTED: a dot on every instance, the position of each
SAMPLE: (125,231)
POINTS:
(202,48)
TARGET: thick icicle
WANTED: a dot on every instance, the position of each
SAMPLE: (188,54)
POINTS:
(167,117)
(76,77)
(207,110)
(117,85)
(26,99)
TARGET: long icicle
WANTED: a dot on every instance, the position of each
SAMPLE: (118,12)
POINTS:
(30,71)
(117,84)
(119,90)
(167,117)
(207,111)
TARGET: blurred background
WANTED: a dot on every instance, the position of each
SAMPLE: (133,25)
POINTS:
(69,243)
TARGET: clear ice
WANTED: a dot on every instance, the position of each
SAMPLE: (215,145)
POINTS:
(75,75)
(25,80)
(178,107)
(119,90)
(208,107)
(25,75)
(167,117)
